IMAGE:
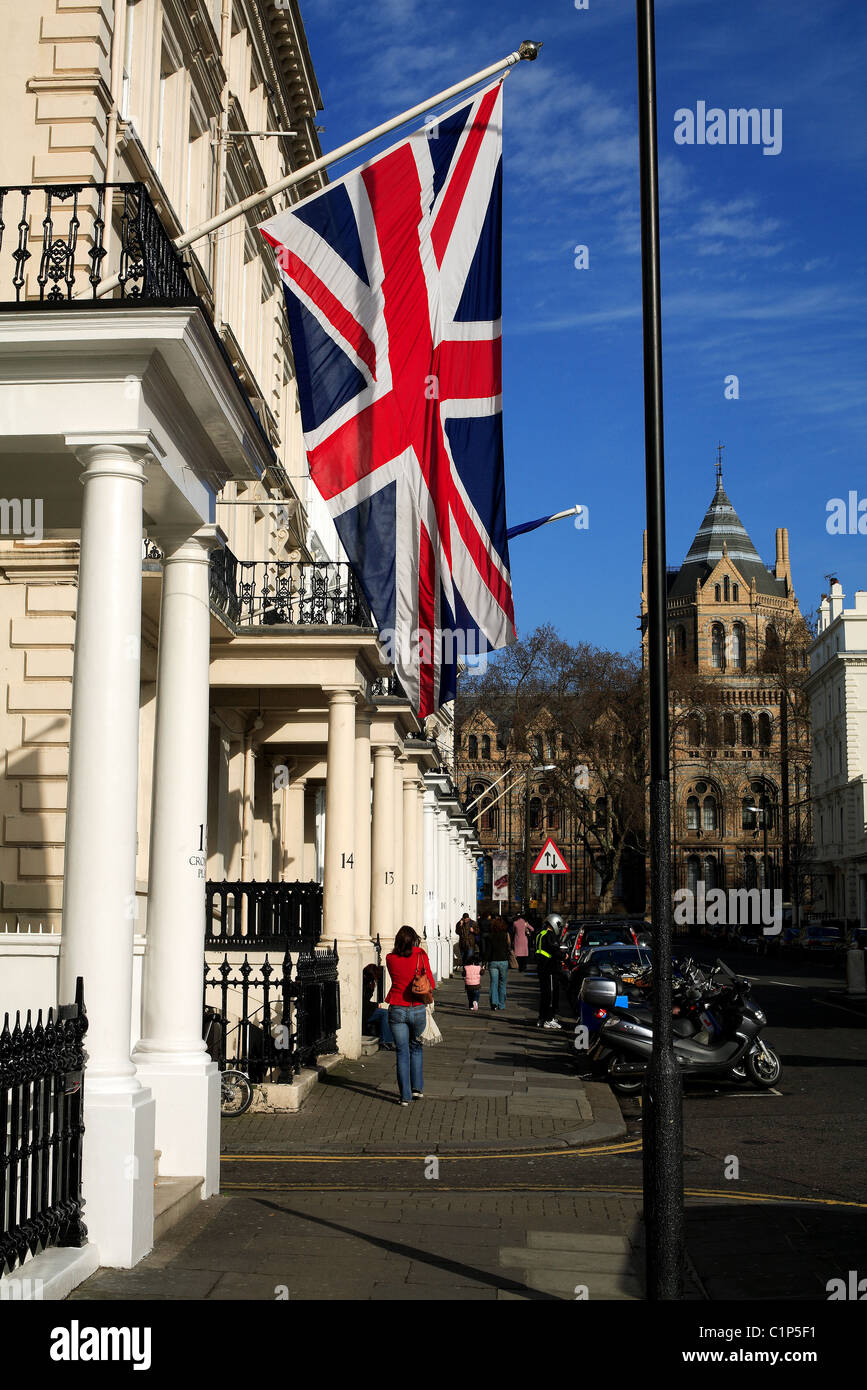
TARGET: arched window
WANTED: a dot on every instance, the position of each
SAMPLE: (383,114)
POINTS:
(551,813)
(692,813)
(772,641)
(712,731)
(736,588)
(710,873)
(764,731)
(749,818)
(552,747)
(717,647)
(472,746)
(750,871)
(747,730)
(709,813)
(693,728)
(693,872)
(486,746)
(729,731)
(726,589)
(717,593)
(535,813)
(536,748)
(739,647)
(679,640)
(600,810)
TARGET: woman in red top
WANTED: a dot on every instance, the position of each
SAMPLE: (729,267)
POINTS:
(407,1015)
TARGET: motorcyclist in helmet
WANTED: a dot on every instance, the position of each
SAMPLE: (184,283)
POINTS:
(548,970)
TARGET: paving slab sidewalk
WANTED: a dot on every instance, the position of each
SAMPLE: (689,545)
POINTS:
(497,1083)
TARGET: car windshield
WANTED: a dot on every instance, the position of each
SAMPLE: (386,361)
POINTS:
(823,931)
(600,936)
(619,958)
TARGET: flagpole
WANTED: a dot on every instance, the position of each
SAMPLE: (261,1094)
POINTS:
(663,1095)
(529,51)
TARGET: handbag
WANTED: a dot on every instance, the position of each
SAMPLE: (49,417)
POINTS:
(431,1035)
(421,986)
(513,961)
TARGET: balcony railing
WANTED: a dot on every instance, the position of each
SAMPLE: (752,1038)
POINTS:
(248,915)
(302,593)
(59,231)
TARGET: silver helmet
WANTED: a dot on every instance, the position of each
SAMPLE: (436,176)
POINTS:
(555,922)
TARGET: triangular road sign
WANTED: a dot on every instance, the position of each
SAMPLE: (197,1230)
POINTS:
(550,860)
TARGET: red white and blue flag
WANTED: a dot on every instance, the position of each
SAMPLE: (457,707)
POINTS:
(392,284)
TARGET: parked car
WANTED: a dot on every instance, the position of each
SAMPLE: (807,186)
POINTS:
(605,959)
(603,934)
(820,937)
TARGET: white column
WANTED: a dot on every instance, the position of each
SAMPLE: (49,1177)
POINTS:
(293,831)
(431,893)
(399,871)
(338,892)
(99,902)
(382,853)
(171,1055)
(454,881)
(444,922)
(419,857)
(362,827)
(410,849)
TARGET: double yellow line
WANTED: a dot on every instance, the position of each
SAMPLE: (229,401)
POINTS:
(629,1146)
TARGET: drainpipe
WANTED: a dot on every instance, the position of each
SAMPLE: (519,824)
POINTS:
(118,38)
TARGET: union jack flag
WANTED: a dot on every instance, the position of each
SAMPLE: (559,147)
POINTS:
(392,284)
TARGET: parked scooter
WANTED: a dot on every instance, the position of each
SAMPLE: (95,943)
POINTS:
(717,1031)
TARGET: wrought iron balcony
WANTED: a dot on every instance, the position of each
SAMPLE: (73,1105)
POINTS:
(59,230)
(287,593)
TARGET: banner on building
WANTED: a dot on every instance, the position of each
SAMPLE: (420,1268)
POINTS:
(501,878)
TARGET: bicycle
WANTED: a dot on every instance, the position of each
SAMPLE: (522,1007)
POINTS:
(236,1088)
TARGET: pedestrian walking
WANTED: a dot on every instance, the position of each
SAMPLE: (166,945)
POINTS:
(468,936)
(473,978)
(498,949)
(412,985)
(522,933)
(548,970)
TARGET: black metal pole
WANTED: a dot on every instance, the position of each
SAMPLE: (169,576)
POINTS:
(663,1098)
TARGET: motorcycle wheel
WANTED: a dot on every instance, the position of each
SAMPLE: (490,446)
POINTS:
(763,1068)
(625,1085)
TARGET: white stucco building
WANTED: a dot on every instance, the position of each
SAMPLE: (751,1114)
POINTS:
(192,687)
(838,697)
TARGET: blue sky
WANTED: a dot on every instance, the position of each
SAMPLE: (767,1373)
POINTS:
(763,272)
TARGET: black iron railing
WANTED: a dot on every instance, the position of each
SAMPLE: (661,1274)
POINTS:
(303,593)
(41,1127)
(317,1004)
(59,230)
(267,1023)
(251,1026)
(248,915)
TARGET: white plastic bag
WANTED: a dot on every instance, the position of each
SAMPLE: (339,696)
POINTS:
(431,1035)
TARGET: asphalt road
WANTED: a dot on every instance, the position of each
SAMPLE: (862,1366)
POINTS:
(742,1148)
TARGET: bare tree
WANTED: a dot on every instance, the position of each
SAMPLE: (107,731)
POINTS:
(596,701)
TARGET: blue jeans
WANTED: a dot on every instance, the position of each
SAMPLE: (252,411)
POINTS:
(499,969)
(407,1023)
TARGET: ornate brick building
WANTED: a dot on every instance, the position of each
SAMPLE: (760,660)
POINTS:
(741,764)
(513,801)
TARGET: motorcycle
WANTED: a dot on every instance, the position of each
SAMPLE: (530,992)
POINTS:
(716,1027)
